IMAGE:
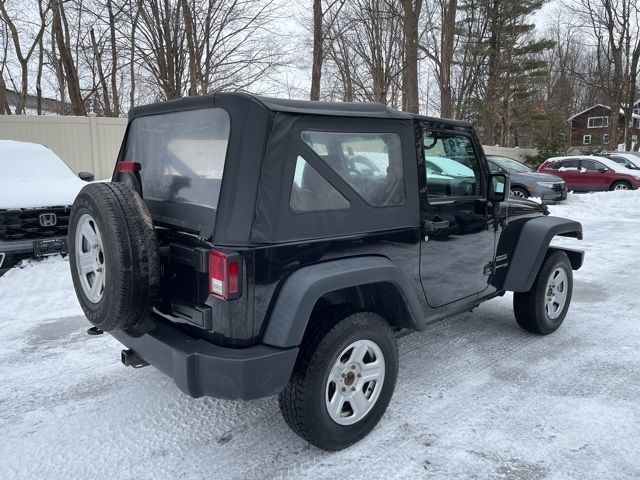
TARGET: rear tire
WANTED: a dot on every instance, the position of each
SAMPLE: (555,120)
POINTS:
(620,185)
(113,252)
(329,376)
(542,309)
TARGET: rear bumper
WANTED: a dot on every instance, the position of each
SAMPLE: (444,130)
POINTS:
(200,368)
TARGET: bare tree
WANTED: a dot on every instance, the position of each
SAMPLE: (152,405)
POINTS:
(68,70)
(470,59)
(24,56)
(324,18)
(377,41)
(614,27)
(440,49)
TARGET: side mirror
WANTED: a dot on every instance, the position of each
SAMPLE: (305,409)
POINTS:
(87,176)
(499,187)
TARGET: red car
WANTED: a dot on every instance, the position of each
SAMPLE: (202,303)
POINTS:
(587,174)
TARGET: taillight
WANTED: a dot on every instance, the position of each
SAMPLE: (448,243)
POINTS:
(128,167)
(224,274)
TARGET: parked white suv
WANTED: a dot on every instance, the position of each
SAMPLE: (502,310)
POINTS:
(629,160)
(38,189)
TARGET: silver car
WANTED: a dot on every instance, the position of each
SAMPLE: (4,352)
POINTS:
(526,182)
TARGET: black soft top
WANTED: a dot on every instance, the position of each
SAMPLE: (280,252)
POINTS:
(253,207)
(305,107)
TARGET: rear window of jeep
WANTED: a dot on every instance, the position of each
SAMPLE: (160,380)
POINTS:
(182,154)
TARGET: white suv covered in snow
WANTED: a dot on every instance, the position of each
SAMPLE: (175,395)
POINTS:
(38,189)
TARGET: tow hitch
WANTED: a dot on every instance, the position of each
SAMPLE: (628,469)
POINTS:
(131,359)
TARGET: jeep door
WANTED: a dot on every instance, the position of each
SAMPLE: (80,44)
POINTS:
(457,227)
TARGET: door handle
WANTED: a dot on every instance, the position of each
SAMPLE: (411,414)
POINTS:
(430,226)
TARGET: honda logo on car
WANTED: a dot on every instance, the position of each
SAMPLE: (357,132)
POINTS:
(48,219)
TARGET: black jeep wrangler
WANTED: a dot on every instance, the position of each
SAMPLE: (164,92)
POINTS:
(252,246)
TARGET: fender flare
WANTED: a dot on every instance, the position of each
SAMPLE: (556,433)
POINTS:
(532,246)
(302,289)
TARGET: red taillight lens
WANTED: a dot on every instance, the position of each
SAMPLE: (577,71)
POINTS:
(128,167)
(224,275)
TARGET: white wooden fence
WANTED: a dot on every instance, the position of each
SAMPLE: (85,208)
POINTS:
(88,144)
(91,144)
(516,153)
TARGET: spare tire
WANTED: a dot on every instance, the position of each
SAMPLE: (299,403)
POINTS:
(113,250)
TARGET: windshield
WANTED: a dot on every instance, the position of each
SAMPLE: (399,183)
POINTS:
(31,161)
(623,161)
(510,165)
(182,154)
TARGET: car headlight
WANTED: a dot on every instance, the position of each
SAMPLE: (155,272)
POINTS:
(546,184)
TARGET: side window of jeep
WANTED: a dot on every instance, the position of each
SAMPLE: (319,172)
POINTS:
(371,163)
(311,192)
(452,167)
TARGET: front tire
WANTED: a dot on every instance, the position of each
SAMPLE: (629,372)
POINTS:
(542,309)
(343,379)
(519,192)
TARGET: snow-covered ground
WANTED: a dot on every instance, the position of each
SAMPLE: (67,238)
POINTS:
(476,396)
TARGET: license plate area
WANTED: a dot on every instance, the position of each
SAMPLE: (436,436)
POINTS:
(50,246)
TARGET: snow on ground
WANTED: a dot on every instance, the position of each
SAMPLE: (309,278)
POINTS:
(476,396)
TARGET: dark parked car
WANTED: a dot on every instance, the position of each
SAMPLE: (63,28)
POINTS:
(242,251)
(526,182)
(36,192)
(589,174)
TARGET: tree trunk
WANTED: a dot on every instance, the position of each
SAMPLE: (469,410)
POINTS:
(61,30)
(193,59)
(448,36)
(114,61)
(101,78)
(316,68)
(491,94)
(410,96)
(39,76)
(132,55)
(24,86)
(57,67)
(4,103)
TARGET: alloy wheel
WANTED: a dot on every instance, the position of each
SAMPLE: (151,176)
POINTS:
(90,258)
(355,382)
(556,293)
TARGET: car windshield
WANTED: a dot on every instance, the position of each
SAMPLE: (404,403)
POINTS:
(182,154)
(22,160)
(623,161)
(510,165)
(447,166)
